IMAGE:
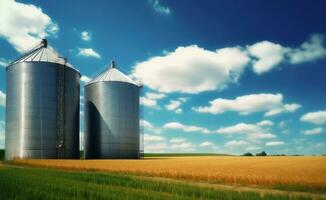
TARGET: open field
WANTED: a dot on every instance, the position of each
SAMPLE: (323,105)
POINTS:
(151,155)
(288,173)
(35,183)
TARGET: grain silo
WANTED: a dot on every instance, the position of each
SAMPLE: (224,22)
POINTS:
(112,116)
(42,106)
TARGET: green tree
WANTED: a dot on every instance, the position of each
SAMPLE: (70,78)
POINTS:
(263,153)
(247,154)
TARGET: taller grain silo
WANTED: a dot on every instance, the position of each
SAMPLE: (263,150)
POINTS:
(112,116)
(42,106)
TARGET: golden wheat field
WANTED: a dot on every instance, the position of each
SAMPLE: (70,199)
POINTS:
(302,171)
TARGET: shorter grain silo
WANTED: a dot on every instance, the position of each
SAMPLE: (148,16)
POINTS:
(112,116)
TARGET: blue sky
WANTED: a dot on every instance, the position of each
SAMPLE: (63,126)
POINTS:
(219,76)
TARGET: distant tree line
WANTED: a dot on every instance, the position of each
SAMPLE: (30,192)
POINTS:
(263,153)
(2,154)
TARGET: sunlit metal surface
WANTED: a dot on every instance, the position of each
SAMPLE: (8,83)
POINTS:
(38,93)
(111,119)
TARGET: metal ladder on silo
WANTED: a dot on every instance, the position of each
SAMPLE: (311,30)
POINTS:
(60,115)
(141,127)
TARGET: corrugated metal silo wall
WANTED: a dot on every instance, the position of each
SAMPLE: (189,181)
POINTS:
(72,111)
(32,110)
(111,120)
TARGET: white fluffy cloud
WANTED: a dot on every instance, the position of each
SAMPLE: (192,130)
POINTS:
(233,143)
(267,56)
(241,128)
(146,124)
(2,98)
(153,138)
(244,104)
(88,52)
(178,140)
(265,123)
(274,143)
(253,148)
(174,105)
(310,50)
(23,25)
(185,128)
(150,99)
(314,131)
(158,147)
(318,118)
(3,62)
(259,136)
(148,102)
(192,69)
(85,36)
(85,79)
(156,96)
(252,131)
(271,104)
(284,109)
(154,143)
(157,144)
(81,140)
(182,147)
(158,7)
(206,144)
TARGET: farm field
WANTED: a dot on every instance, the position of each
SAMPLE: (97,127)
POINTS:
(151,155)
(285,173)
(21,182)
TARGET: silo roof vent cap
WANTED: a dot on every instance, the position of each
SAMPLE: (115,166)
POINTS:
(44,43)
(113,74)
(113,65)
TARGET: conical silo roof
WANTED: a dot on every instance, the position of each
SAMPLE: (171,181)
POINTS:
(42,53)
(113,74)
